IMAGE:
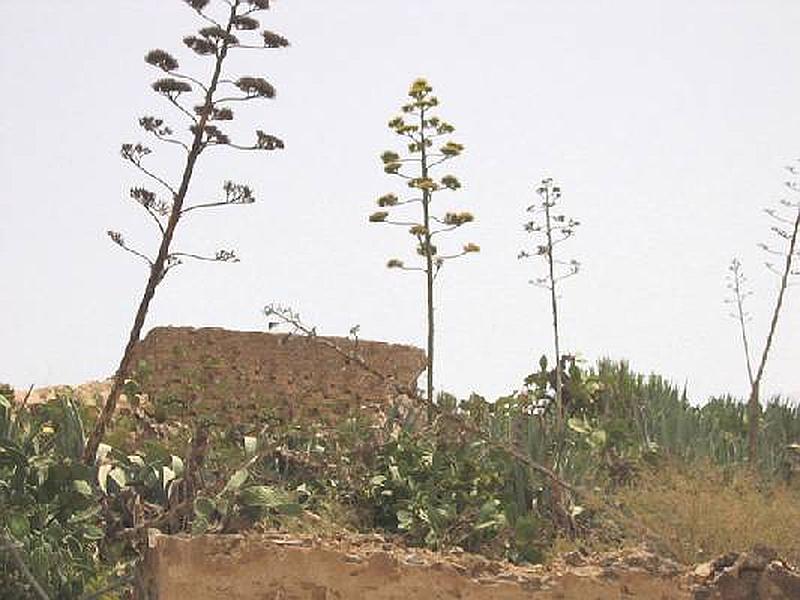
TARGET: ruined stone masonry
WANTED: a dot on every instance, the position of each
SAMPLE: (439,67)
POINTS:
(280,566)
(238,372)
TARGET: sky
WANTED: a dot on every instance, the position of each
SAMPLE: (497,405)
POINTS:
(667,123)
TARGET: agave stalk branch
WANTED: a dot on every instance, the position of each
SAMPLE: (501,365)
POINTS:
(739,295)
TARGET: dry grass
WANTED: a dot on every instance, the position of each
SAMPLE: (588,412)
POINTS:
(696,513)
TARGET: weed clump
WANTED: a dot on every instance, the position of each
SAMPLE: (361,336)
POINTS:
(697,511)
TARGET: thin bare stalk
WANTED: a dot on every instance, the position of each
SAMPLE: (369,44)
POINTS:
(429,274)
(553,229)
(739,295)
(554,311)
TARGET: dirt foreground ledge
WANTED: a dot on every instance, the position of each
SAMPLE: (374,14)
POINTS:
(277,567)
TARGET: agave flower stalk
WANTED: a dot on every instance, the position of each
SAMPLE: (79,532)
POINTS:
(786,228)
(203,106)
(427,148)
(551,230)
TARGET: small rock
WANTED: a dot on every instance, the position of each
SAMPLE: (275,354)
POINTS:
(643,560)
(724,561)
(751,561)
(767,553)
(669,568)
(289,542)
(609,573)
(574,559)
(702,593)
(533,583)
(704,570)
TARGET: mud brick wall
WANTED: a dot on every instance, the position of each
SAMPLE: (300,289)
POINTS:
(239,373)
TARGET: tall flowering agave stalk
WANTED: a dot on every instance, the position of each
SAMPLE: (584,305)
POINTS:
(202,106)
(550,229)
(428,147)
(784,253)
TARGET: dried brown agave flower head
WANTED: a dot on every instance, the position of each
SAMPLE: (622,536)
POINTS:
(215,114)
(213,134)
(199,45)
(217,34)
(143,196)
(238,193)
(244,23)
(256,87)
(161,59)
(171,87)
(266,141)
(273,40)
(197,4)
(154,125)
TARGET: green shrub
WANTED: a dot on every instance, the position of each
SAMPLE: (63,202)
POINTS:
(48,505)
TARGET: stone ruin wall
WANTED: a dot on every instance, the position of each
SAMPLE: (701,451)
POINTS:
(241,373)
(280,567)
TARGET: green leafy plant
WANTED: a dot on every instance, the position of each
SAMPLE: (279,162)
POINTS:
(7,391)
(437,492)
(243,501)
(49,516)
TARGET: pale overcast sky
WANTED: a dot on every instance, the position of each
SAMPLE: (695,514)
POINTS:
(667,124)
